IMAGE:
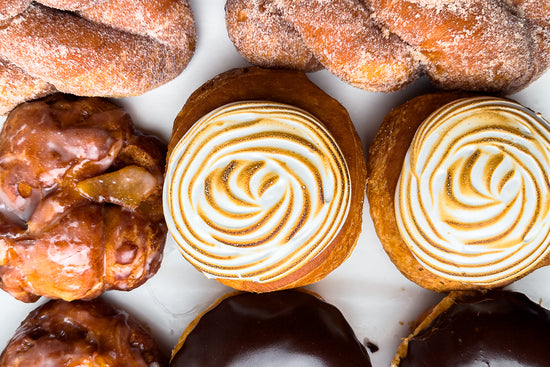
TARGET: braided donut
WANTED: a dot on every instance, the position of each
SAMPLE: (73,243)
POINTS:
(91,47)
(80,200)
(382,45)
(339,34)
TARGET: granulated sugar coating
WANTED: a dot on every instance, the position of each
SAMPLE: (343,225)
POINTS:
(259,30)
(114,48)
(18,83)
(382,45)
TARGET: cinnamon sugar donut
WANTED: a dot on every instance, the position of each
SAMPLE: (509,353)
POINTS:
(80,199)
(340,34)
(380,45)
(265,38)
(265,180)
(81,333)
(458,190)
(91,47)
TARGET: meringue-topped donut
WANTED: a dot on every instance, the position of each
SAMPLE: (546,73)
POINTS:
(265,181)
(255,190)
(473,200)
(459,189)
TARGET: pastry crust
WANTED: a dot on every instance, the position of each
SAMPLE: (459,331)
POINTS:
(384,163)
(295,89)
(382,45)
(109,48)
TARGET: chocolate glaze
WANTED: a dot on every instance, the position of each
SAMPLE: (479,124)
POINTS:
(501,329)
(285,328)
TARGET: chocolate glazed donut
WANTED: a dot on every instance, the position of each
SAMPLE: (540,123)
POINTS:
(497,329)
(284,328)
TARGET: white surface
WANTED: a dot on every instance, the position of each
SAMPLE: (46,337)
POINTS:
(376,299)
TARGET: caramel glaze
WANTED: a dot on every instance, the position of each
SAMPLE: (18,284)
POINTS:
(498,329)
(60,240)
(81,333)
(285,328)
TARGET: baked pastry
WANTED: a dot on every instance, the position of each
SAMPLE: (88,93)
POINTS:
(265,180)
(459,195)
(111,48)
(288,327)
(81,333)
(339,35)
(379,45)
(80,192)
(500,328)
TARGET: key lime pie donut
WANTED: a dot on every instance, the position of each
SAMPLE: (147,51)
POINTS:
(265,181)
(469,189)
(285,328)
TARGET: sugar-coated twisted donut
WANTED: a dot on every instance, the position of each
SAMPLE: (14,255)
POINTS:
(382,45)
(91,47)
(269,40)
(340,34)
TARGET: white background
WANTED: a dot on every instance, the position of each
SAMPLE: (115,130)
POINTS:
(376,299)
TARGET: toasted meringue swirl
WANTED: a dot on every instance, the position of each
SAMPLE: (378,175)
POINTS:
(473,198)
(254,190)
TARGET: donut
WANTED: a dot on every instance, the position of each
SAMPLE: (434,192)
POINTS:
(494,46)
(269,40)
(340,35)
(287,327)
(80,192)
(81,333)
(458,190)
(499,328)
(109,48)
(265,180)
